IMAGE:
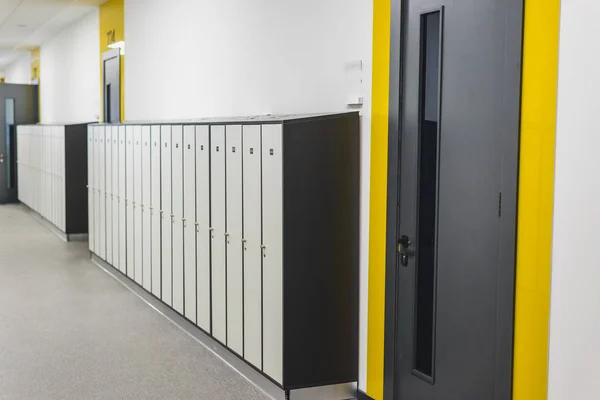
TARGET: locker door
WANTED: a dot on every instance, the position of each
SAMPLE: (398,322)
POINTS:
(91,189)
(115,196)
(121,199)
(102,137)
(272,195)
(235,312)
(146,231)
(97,186)
(137,204)
(155,210)
(109,196)
(189,216)
(129,143)
(252,242)
(218,221)
(166,215)
(177,173)
(203,233)
(51,191)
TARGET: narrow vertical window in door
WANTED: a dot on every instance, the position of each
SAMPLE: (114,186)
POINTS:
(429,138)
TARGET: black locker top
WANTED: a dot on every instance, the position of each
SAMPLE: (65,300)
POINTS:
(248,120)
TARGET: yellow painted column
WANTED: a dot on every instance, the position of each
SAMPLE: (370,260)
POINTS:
(112,29)
(536,195)
(377,228)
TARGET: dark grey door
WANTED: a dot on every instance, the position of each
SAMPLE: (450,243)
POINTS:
(18,105)
(111,64)
(457,193)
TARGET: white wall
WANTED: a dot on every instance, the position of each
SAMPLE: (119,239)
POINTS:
(197,58)
(19,71)
(575,296)
(70,73)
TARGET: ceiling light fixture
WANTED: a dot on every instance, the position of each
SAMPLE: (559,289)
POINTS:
(118,45)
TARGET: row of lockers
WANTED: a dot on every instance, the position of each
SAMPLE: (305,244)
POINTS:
(195,215)
(41,170)
(52,172)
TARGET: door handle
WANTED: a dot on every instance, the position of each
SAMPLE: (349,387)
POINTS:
(405,250)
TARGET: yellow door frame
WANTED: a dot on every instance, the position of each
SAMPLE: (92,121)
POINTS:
(535,200)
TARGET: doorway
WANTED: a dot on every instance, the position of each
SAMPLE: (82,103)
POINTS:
(452,191)
(111,84)
(18,105)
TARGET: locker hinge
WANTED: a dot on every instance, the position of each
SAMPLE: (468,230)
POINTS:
(499,204)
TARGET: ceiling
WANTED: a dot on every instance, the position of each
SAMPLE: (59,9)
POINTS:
(25,24)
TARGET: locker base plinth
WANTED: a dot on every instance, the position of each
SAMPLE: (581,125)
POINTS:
(74,237)
(342,391)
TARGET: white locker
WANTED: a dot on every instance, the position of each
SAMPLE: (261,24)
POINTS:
(121,200)
(155,209)
(52,191)
(166,215)
(115,196)
(233,239)
(109,216)
(129,143)
(218,225)
(91,189)
(252,242)
(101,139)
(146,231)
(97,185)
(189,219)
(177,196)
(203,232)
(137,202)
(272,195)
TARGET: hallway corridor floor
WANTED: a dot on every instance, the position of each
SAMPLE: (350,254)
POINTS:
(68,330)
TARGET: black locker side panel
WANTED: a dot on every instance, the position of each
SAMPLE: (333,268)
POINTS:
(321,181)
(76,207)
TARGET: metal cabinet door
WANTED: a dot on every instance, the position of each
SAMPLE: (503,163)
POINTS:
(123,167)
(203,233)
(90,185)
(272,210)
(146,189)
(129,143)
(97,202)
(109,194)
(218,225)
(166,212)
(155,208)
(177,196)
(252,194)
(137,204)
(233,236)
(102,184)
(115,195)
(189,219)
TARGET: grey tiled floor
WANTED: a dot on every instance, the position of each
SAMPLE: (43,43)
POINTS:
(70,331)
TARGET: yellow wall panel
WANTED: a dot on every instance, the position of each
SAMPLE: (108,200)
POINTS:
(377,228)
(536,195)
(112,18)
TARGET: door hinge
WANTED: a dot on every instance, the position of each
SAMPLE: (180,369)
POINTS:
(499,204)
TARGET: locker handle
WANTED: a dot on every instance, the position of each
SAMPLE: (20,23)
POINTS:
(264,250)
(226,234)
(244,240)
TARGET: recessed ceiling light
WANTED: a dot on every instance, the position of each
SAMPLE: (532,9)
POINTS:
(22,26)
